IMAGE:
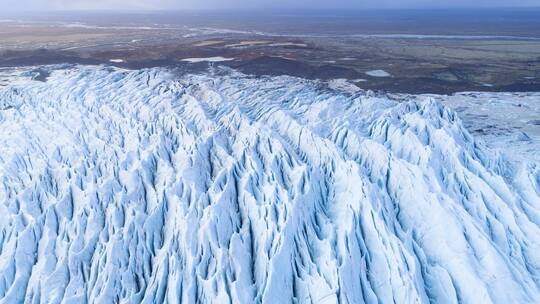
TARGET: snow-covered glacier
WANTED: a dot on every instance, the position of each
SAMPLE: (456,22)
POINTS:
(155,186)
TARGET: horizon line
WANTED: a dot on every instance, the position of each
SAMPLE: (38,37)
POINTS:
(267,9)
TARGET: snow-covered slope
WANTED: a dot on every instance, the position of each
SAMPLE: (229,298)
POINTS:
(146,186)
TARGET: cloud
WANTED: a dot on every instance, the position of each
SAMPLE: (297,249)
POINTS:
(87,4)
(251,4)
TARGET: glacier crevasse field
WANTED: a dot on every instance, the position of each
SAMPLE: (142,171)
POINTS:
(149,187)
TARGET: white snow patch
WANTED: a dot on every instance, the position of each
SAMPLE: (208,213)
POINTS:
(247,43)
(208,42)
(378,73)
(288,44)
(207,59)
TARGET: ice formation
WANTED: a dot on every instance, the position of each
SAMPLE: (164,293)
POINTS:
(152,186)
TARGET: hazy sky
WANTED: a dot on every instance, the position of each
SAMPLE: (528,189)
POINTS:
(253,4)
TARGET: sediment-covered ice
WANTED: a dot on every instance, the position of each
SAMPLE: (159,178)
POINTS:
(149,186)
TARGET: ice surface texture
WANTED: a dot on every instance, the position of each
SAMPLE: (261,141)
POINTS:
(146,186)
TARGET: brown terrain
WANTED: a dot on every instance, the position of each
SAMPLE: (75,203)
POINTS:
(402,64)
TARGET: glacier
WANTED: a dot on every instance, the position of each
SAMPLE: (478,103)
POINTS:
(157,186)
